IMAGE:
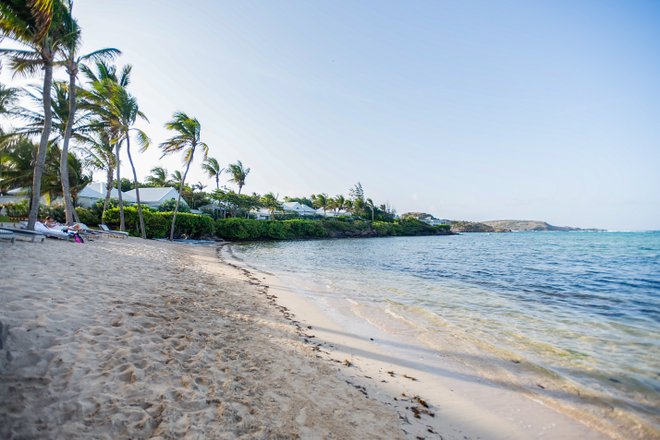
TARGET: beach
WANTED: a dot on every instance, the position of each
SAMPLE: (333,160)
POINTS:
(141,339)
(144,339)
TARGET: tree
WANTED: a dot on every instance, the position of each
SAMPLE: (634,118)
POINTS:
(339,202)
(187,140)
(8,98)
(212,168)
(370,204)
(99,154)
(38,25)
(125,112)
(158,177)
(270,202)
(239,174)
(97,98)
(72,61)
(357,199)
(321,201)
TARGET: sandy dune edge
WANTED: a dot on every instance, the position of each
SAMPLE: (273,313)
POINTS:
(140,339)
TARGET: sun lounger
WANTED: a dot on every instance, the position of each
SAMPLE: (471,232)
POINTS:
(27,235)
(7,235)
(105,228)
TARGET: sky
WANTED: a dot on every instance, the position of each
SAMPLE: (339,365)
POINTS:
(474,110)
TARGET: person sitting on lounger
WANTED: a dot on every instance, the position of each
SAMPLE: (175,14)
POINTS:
(51,223)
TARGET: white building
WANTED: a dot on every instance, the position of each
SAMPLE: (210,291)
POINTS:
(299,208)
(151,197)
(154,197)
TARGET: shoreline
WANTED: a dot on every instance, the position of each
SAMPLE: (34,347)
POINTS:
(142,338)
(559,408)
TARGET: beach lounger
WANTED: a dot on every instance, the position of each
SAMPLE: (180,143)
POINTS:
(7,235)
(105,228)
(27,235)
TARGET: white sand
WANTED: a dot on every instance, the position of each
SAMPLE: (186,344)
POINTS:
(140,339)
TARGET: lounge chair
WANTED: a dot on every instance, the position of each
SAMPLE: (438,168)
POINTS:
(7,235)
(27,235)
(105,228)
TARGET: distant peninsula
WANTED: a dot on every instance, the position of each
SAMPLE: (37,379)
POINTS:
(511,226)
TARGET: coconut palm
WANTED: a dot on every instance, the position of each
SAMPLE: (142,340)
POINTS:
(212,168)
(97,99)
(321,201)
(125,112)
(270,202)
(99,154)
(239,174)
(186,139)
(17,157)
(72,61)
(339,202)
(8,98)
(38,25)
(158,177)
(370,204)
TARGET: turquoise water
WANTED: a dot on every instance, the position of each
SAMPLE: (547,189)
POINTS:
(585,306)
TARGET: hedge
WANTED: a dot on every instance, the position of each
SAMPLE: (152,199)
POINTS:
(158,224)
(241,229)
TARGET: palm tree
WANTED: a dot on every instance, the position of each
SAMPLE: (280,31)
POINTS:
(125,112)
(270,202)
(38,25)
(340,202)
(99,154)
(158,177)
(370,204)
(97,99)
(72,62)
(212,168)
(239,174)
(8,98)
(321,201)
(187,140)
(17,157)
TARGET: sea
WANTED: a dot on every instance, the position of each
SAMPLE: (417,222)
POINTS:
(583,307)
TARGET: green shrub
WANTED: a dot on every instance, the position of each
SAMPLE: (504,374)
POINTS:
(17,210)
(158,224)
(87,216)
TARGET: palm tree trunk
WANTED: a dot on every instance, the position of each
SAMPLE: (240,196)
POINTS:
(122,222)
(108,190)
(178,199)
(43,146)
(143,233)
(64,159)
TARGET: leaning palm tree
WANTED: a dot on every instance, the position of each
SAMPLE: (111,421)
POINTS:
(72,61)
(212,168)
(37,25)
(97,99)
(340,202)
(238,173)
(187,140)
(270,202)
(370,204)
(321,201)
(98,151)
(158,177)
(125,112)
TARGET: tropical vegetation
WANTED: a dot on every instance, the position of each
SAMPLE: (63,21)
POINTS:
(55,136)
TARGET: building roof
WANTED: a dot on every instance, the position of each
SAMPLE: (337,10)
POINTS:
(90,193)
(155,195)
(298,207)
